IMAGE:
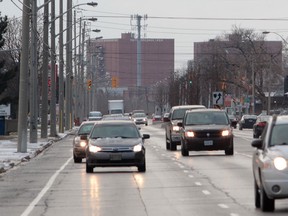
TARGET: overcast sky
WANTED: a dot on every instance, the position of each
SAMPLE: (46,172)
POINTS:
(186,21)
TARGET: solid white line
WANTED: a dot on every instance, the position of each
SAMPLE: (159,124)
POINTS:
(45,189)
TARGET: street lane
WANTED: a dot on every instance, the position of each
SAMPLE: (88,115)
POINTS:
(205,183)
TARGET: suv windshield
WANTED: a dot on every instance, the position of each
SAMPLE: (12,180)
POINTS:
(206,118)
(279,135)
(178,113)
(113,131)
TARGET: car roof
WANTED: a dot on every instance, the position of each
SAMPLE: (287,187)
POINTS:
(115,122)
(205,110)
(282,119)
(88,122)
(187,107)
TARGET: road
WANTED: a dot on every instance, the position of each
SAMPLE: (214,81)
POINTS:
(205,183)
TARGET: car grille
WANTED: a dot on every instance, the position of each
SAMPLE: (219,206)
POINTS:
(208,134)
(117,149)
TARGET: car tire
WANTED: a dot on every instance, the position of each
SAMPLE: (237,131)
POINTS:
(77,159)
(89,169)
(230,151)
(167,144)
(184,151)
(173,146)
(267,204)
(142,167)
(256,195)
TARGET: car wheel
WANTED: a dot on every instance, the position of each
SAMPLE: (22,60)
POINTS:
(167,144)
(89,169)
(267,204)
(256,195)
(142,167)
(173,146)
(184,151)
(230,151)
(77,159)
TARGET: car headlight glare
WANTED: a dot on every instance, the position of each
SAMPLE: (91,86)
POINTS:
(83,143)
(189,134)
(225,133)
(137,148)
(176,128)
(280,163)
(94,149)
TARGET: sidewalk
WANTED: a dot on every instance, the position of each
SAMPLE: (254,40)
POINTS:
(9,157)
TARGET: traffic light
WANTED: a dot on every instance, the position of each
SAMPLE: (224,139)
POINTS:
(89,84)
(114,82)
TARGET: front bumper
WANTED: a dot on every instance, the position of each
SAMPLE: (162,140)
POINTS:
(274,178)
(79,152)
(203,144)
(106,159)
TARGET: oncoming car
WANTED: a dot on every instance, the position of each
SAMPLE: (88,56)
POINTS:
(270,168)
(205,130)
(115,143)
(79,144)
(140,118)
(176,114)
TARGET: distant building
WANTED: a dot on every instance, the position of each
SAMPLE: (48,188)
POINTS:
(119,58)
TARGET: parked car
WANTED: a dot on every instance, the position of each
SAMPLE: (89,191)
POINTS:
(140,118)
(260,125)
(95,115)
(115,143)
(79,144)
(247,121)
(270,163)
(172,130)
(204,130)
(233,120)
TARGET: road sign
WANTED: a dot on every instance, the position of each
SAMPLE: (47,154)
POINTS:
(217,98)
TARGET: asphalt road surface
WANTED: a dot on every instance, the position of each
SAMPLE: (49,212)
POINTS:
(205,183)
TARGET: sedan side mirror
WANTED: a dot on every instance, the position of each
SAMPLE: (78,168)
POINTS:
(257,143)
(145,136)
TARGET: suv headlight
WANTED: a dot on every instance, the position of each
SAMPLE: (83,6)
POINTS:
(94,149)
(176,128)
(137,148)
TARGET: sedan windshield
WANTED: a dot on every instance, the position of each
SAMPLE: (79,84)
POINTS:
(85,129)
(206,118)
(279,135)
(114,131)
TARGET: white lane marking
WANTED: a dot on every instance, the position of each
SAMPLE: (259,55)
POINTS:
(190,176)
(185,171)
(198,183)
(234,214)
(223,206)
(32,205)
(246,155)
(206,192)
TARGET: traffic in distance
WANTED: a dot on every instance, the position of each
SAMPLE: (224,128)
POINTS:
(118,142)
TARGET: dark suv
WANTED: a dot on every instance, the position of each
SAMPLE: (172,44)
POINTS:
(176,115)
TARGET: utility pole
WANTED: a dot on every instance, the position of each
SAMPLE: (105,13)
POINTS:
(68,114)
(139,68)
(34,77)
(61,72)
(44,100)
(53,132)
(23,83)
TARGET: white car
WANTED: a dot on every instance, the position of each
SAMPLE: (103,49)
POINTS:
(270,163)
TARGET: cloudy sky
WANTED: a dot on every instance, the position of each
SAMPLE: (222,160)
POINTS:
(187,21)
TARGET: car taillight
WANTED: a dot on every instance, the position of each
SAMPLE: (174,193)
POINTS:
(261,124)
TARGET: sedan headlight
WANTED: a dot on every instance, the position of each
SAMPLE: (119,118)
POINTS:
(137,148)
(280,163)
(83,143)
(189,134)
(176,128)
(94,149)
(226,133)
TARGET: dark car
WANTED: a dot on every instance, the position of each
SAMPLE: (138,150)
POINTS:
(205,130)
(79,144)
(270,163)
(247,121)
(233,120)
(259,125)
(172,133)
(115,143)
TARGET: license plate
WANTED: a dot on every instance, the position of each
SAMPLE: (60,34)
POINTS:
(115,157)
(208,142)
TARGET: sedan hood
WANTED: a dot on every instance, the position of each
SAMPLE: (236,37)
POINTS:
(279,150)
(113,142)
(206,127)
